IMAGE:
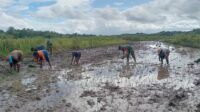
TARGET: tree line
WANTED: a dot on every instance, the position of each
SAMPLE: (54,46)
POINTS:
(30,33)
(12,32)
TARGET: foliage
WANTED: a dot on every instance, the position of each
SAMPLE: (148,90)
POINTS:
(190,39)
(25,44)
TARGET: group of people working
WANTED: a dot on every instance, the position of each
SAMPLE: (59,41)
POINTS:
(163,53)
(40,55)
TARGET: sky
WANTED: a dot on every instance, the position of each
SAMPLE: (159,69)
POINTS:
(105,17)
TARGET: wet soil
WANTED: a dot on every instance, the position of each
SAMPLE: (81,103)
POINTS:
(103,82)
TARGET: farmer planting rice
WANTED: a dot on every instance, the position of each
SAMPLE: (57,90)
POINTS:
(40,56)
(75,57)
(127,51)
(163,53)
(14,58)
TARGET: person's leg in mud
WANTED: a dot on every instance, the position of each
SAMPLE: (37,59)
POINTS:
(161,59)
(78,58)
(133,55)
(47,59)
(49,64)
(72,62)
(161,56)
(46,55)
(131,52)
(73,58)
(128,55)
(11,66)
(167,59)
(14,66)
(40,63)
(159,53)
(17,67)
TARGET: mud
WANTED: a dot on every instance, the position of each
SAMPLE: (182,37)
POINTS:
(103,82)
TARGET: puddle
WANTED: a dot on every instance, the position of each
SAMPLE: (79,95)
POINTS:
(28,81)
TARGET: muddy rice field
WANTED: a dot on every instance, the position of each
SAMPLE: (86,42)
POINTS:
(103,82)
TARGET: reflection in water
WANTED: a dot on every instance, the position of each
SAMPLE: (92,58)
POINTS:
(163,72)
(127,70)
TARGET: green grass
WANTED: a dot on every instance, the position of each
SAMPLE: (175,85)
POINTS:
(144,38)
(25,44)
(188,40)
(59,44)
(185,40)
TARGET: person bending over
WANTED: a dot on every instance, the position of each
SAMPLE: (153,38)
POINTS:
(75,57)
(40,56)
(14,58)
(163,54)
(127,51)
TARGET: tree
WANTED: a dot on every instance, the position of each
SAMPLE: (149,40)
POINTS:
(11,30)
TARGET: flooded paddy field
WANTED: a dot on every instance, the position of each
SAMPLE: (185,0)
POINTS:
(104,82)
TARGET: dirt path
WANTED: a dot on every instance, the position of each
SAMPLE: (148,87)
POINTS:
(105,83)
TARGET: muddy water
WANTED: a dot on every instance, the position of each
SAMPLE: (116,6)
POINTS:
(114,85)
